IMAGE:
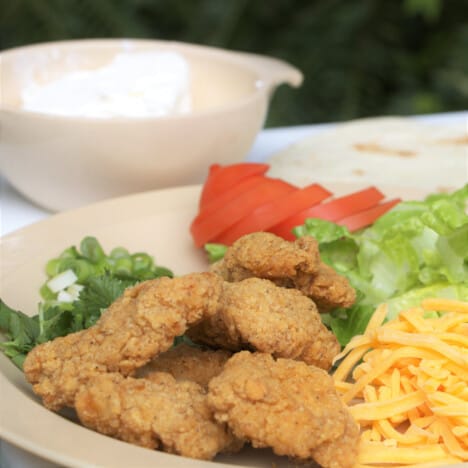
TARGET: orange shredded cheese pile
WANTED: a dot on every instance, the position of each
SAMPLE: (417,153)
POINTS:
(406,384)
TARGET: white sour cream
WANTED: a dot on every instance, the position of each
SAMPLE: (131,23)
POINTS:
(134,84)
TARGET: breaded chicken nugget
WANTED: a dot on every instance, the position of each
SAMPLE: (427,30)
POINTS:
(340,452)
(289,264)
(186,362)
(265,255)
(135,328)
(258,315)
(163,413)
(327,288)
(286,405)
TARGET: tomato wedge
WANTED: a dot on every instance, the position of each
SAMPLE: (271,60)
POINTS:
(272,213)
(221,178)
(331,211)
(367,217)
(205,229)
(228,195)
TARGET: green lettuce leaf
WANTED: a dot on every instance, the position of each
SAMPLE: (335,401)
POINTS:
(416,250)
(215,252)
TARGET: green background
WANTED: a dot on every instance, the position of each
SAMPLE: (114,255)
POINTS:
(359,57)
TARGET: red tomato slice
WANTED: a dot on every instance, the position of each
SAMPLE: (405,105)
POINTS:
(331,211)
(285,230)
(221,178)
(270,214)
(206,229)
(367,217)
(228,195)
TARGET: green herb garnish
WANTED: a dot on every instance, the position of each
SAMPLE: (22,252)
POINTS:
(81,284)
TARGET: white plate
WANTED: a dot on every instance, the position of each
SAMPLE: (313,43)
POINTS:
(156,222)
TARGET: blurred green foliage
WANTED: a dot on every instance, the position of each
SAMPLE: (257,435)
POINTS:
(359,57)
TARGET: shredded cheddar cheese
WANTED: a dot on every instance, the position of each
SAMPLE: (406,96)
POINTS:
(406,384)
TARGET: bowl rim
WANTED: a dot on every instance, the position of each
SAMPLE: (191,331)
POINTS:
(263,84)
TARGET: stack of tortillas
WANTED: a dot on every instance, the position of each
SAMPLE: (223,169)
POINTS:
(392,152)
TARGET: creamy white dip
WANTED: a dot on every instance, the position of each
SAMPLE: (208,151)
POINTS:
(134,84)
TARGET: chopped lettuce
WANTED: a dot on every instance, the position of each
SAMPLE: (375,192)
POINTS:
(416,250)
(215,252)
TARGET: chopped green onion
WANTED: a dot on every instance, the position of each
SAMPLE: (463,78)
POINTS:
(71,252)
(53,267)
(66,263)
(64,296)
(91,249)
(161,271)
(119,252)
(123,267)
(83,269)
(141,262)
(62,281)
(46,293)
(80,286)
(74,290)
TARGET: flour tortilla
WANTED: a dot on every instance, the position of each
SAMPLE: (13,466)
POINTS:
(396,152)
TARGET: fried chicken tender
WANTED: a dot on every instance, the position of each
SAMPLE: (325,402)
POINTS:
(286,405)
(337,453)
(186,362)
(265,255)
(289,264)
(327,288)
(258,315)
(163,413)
(139,325)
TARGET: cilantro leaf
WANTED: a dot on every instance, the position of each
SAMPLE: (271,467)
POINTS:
(24,332)
(53,322)
(98,295)
(21,331)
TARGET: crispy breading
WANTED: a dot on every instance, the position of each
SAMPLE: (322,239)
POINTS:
(286,405)
(288,264)
(258,315)
(265,255)
(162,413)
(327,288)
(186,362)
(136,327)
(340,452)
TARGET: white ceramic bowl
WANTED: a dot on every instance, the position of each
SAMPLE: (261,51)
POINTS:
(63,162)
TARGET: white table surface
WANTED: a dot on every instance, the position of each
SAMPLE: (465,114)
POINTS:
(16,211)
